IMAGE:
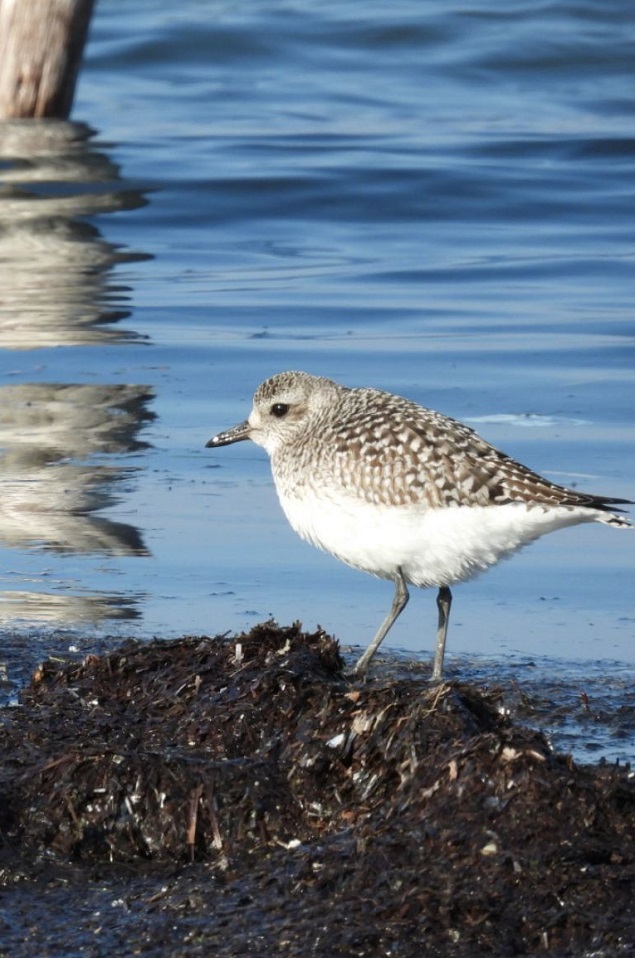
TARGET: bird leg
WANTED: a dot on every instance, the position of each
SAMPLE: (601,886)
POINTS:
(444,601)
(399,602)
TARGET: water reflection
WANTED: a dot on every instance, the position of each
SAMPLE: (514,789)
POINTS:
(61,610)
(54,266)
(57,290)
(48,501)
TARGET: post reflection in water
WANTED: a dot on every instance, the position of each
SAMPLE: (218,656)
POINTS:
(56,291)
(46,500)
(54,266)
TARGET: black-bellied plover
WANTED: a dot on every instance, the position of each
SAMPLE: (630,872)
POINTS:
(401,491)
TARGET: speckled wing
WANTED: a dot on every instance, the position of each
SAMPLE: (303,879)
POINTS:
(400,453)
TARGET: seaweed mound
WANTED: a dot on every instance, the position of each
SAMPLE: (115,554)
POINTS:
(245,797)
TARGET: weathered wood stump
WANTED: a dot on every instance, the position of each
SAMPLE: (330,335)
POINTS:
(41,46)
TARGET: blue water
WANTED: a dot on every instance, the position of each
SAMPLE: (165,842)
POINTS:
(433,198)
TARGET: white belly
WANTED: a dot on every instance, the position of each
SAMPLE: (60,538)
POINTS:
(432,547)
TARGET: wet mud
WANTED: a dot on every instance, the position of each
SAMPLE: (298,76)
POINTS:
(243,796)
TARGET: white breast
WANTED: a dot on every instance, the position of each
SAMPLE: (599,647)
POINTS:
(432,547)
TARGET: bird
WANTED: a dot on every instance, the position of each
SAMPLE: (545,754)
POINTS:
(401,491)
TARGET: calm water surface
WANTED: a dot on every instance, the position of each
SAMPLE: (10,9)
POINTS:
(432,198)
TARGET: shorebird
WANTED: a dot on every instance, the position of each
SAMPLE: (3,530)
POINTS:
(401,491)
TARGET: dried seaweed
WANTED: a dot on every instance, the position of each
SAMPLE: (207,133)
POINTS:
(324,817)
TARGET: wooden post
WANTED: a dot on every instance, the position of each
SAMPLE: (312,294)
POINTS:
(41,45)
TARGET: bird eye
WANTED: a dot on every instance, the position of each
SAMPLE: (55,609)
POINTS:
(279,409)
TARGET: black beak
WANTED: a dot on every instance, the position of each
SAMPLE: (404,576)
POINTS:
(235,434)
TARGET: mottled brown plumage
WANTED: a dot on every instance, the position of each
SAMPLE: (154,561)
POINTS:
(391,451)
